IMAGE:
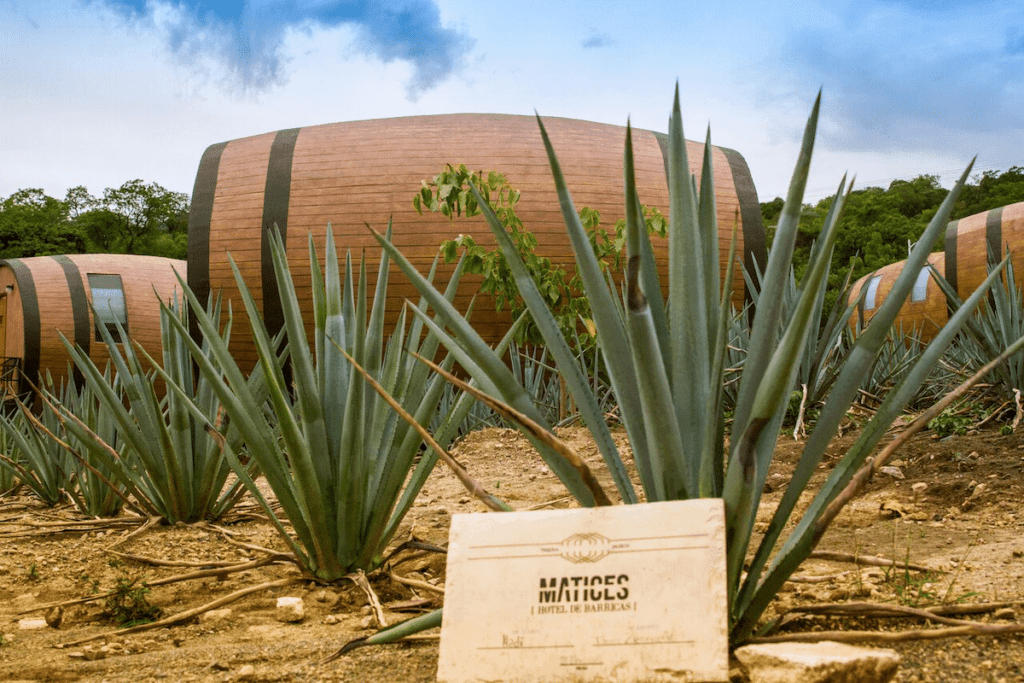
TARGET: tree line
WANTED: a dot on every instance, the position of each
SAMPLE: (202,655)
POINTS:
(135,218)
(146,218)
(879,224)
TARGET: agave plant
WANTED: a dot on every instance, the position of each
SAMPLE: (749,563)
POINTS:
(94,486)
(33,458)
(340,461)
(998,323)
(156,447)
(8,452)
(666,359)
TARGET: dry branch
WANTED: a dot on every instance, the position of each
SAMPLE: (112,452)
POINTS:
(192,613)
(866,560)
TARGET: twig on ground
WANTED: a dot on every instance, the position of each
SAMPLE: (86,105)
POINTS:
(877,637)
(157,562)
(287,557)
(870,609)
(192,613)
(413,583)
(359,579)
(868,560)
(549,503)
(991,416)
(70,526)
(217,571)
(150,523)
(824,578)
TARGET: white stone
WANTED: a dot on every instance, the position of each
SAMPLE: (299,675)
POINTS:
(623,593)
(290,610)
(894,472)
(31,624)
(825,662)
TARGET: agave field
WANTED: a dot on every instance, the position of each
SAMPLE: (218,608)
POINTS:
(154,514)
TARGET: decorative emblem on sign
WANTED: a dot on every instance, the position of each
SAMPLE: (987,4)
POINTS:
(585,547)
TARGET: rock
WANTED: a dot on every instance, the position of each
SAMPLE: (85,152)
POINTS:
(246,673)
(93,655)
(894,472)
(1006,614)
(215,616)
(32,624)
(840,594)
(290,610)
(891,509)
(864,589)
(978,490)
(326,596)
(55,616)
(817,663)
(919,488)
(331,619)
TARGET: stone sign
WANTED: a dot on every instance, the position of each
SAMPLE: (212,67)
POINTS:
(623,593)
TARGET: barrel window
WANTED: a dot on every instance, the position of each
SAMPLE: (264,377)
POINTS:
(920,292)
(869,298)
(108,301)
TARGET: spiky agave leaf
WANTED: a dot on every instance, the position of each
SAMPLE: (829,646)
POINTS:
(335,455)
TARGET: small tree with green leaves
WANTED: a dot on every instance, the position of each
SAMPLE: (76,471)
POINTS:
(449,194)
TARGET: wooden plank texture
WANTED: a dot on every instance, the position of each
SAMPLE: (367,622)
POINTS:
(352,174)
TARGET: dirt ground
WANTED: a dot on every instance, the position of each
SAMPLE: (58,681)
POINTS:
(966,526)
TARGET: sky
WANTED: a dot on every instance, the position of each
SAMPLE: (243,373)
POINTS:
(99,92)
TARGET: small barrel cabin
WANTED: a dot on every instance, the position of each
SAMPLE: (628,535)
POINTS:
(351,174)
(964,263)
(45,296)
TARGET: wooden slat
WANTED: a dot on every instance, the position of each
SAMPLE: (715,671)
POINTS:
(351,174)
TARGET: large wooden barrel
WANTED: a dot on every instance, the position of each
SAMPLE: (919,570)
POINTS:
(45,296)
(350,174)
(924,311)
(964,263)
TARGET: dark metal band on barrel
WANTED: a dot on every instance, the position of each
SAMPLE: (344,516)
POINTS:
(275,213)
(79,309)
(199,218)
(32,324)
